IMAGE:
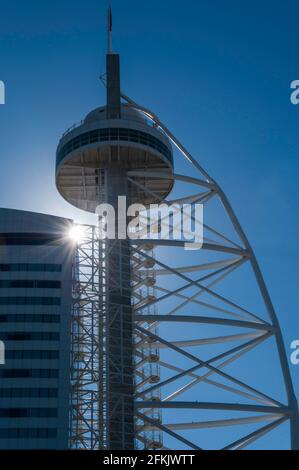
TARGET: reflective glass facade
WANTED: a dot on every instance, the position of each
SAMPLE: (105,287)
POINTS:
(35,308)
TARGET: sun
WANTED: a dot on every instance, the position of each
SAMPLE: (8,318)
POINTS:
(76,233)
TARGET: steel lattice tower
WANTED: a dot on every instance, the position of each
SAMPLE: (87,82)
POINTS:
(151,321)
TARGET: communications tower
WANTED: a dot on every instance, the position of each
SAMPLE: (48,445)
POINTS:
(167,343)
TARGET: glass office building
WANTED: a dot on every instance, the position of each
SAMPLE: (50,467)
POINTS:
(35,313)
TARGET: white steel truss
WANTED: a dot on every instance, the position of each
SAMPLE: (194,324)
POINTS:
(87,413)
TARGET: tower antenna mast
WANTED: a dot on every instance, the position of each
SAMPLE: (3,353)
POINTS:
(109,18)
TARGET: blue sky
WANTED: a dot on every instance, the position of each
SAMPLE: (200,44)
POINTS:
(217,73)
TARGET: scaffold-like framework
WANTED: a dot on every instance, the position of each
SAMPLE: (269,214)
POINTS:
(87,384)
(208,347)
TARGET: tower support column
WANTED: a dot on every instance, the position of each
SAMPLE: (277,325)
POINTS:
(118,330)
